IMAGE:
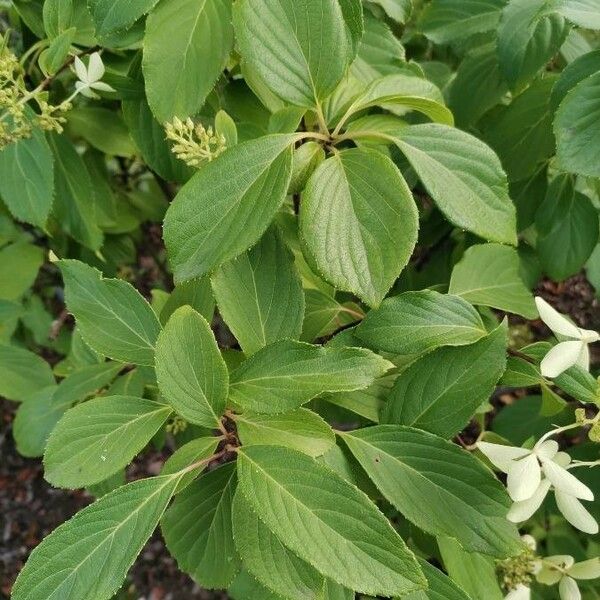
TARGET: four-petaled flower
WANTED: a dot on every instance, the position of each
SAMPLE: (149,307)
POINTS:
(563,569)
(90,76)
(572,351)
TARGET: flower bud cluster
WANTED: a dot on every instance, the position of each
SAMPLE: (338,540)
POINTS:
(193,143)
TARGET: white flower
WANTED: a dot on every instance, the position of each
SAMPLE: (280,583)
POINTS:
(563,569)
(571,508)
(89,78)
(521,592)
(565,354)
(524,468)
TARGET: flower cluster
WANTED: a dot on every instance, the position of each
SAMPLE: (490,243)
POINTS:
(194,144)
(17,117)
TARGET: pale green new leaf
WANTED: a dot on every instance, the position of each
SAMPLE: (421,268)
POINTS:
(416,322)
(528,37)
(259,294)
(400,93)
(324,315)
(22,373)
(300,48)
(284,375)
(326,521)
(438,486)
(227,205)
(198,529)
(95,439)
(441,391)
(464,177)
(89,555)
(112,16)
(112,317)
(488,274)
(358,222)
(444,21)
(585,13)
(299,429)
(398,10)
(186,46)
(27,178)
(577,128)
(267,559)
(191,373)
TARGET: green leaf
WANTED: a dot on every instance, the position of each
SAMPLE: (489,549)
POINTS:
(246,587)
(438,486)
(325,315)
(528,37)
(60,15)
(584,13)
(74,194)
(259,294)
(186,46)
(225,207)
(111,315)
(577,127)
(567,226)
(299,429)
(475,573)
(113,16)
(477,87)
(398,10)
(441,587)
(287,374)
(488,275)
(95,439)
(575,72)
(196,293)
(521,133)
(191,373)
(416,322)
(89,555)
(22,373)
(442,390)
(316,513)
(444,21)
(19,266)
(267,559)
(198,529)
(358,222)
(464,177)
(27,178)
(39,414)
(399,93)
(301,49)
(102,128)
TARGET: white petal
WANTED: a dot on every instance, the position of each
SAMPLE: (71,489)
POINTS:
(589,336)
(568,589)
(557,322)
(548,576)
(103,87)
(521,592)
(575,513)
(584,357)
(502,456)
(521,511)
(562,459)
(560,358)
(524,477)
(95,67)
(529,541)
(587,569)
(565,482)
(80,70)
(547,450)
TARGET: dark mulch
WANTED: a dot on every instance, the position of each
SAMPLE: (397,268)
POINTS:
(30,509)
